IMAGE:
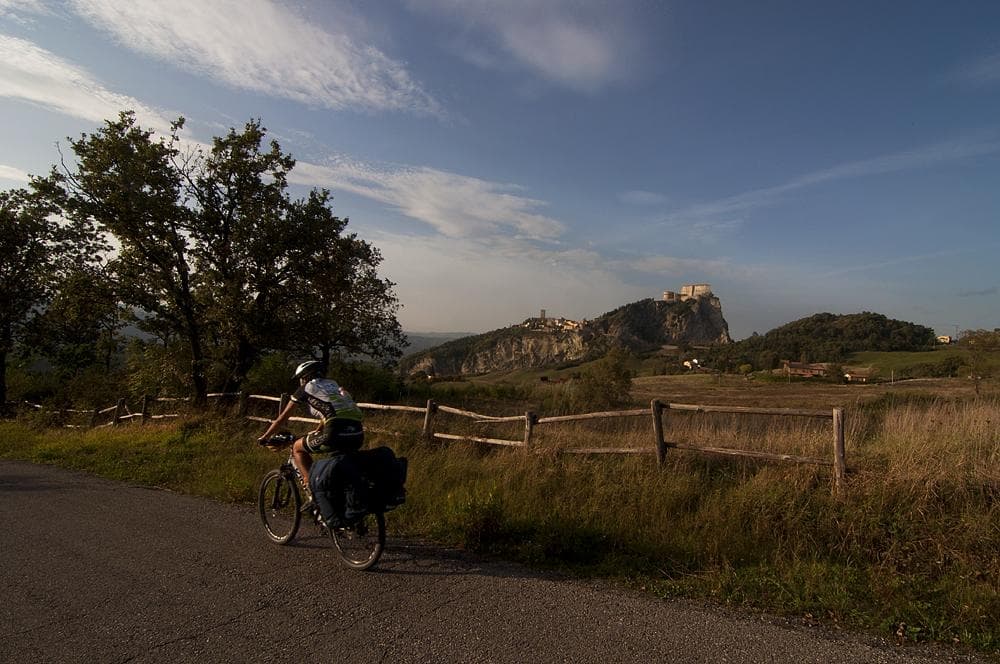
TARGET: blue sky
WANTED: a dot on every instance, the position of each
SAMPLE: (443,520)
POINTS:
(576,155)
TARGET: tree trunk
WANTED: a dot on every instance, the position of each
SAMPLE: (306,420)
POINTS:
(198,379)
(246,355)
(6,346)
(3,381)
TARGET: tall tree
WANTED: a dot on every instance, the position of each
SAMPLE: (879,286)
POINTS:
(280,272)
(344,307)
(246,245)
(216,253)
(130,185)
(26,237)
(36,250)
(80,325)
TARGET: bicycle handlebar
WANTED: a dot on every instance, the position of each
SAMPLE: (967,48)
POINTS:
(282,439)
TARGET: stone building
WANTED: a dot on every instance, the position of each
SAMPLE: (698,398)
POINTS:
(688,291)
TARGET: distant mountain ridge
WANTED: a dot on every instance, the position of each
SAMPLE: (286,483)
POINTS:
(419,341)
(539,342)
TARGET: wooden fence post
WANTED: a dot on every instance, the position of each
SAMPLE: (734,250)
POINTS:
(429,419)
(661,448)
(284,402)
(242,408)
(530,419)
(93,418)
(146,399)
(839,453)
(119,411)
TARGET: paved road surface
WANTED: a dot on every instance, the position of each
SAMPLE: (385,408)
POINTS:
(100,571)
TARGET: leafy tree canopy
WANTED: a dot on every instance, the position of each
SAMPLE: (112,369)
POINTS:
(213,252)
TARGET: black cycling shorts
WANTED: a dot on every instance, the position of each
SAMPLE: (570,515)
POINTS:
(337,435)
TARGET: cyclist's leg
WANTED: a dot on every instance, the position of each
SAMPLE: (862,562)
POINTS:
(302,458)
(315,442)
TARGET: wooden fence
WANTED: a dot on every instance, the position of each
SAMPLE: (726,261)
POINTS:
(658,412)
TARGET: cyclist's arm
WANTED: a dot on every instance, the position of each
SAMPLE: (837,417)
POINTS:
(281,419)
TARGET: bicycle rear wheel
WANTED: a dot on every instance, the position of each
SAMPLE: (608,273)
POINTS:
(361,545)
(279,501)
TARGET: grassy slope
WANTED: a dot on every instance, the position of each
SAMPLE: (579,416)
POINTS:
(886,362)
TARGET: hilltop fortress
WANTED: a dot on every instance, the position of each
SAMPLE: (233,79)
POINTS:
(558,323)
(688,291)
(693,316)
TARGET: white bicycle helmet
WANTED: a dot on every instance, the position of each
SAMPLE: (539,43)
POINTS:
(308,368)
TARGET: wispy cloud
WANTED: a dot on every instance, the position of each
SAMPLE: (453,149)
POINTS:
(455,205)
(922,157)
(13,174)
(20,10)
(685,267)
(260,46)
(33,75)
(892,262)
(642,198)
(982,72)
(979,293)
(32,6)
(579,44)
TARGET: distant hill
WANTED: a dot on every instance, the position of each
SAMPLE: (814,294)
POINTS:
(641,326)
(419,341)
(824,338)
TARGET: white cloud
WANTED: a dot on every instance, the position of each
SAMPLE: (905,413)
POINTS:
(580,44)
(17,9)
(33,75)
(643,198)
(454,205)
(264,47)
(13,174)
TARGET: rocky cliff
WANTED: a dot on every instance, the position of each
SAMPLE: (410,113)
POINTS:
(640,326)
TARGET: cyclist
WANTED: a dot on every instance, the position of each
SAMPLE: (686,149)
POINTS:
(339,430)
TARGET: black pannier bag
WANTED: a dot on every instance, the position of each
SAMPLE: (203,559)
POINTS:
(387,478)
(339,490)
(348,486)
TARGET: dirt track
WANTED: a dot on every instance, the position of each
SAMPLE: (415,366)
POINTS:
(99,571)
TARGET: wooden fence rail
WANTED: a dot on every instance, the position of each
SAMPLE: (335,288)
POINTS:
(658,412)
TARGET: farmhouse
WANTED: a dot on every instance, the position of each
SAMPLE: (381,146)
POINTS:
(805,369)
(859,374)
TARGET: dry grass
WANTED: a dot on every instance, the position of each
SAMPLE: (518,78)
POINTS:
(737,391)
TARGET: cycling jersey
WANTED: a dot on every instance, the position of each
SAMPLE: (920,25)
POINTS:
(341,429)
(327,400)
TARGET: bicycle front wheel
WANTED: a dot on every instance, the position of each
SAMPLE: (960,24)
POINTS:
(279,502)
(361,545)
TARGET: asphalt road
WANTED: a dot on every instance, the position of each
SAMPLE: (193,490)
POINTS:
(101,571)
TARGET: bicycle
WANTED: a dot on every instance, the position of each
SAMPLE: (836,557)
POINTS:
(279,501)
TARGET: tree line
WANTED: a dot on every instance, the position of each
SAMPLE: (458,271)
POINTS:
(202,249)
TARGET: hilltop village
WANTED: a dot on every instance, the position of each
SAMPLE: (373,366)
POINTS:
(543,322)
